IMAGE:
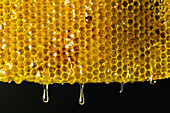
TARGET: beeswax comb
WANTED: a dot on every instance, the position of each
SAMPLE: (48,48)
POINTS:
(84,41)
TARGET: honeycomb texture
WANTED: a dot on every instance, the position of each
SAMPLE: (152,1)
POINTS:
(84,41)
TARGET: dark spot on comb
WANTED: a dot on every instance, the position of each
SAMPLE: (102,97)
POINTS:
(163,21)
(157,31)
(157,17)
(157,3)
(88,19)
(40,68)
(151,27)
(152,7)
(163,35)
(46,58)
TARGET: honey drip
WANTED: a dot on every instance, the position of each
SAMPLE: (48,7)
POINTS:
(122,86)
(45,94)
(81,99)
(152,81)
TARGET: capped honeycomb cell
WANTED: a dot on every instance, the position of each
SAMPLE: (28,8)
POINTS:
(84,41)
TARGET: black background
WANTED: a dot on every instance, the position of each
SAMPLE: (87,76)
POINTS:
(99,98)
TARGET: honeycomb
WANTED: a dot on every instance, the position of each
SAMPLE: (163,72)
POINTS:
(84,41)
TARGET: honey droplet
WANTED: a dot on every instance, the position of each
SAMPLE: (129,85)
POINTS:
(81,99)
(152,81)
(45,94)
(122,86)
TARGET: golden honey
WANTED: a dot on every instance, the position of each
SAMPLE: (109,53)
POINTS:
(84,41)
